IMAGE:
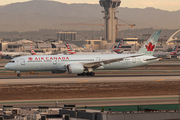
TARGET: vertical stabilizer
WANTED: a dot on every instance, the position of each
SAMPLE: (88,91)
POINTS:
(174,52)
(149,47)
(112,48)
(70,49)
(118,48)
(32,51)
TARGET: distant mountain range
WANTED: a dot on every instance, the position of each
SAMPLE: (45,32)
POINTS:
(34,15)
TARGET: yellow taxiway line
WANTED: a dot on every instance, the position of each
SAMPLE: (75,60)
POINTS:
(2,82)
(83,81)
(160,80)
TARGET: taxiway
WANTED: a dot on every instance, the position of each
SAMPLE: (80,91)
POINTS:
(46,79)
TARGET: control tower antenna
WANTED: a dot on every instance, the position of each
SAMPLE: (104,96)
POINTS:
(110,24)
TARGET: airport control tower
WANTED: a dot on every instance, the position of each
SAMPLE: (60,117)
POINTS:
(110,24)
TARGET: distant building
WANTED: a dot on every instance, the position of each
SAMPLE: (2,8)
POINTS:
(66,36)
(175,38)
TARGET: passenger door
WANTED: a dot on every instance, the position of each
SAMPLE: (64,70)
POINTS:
(98,59)
(22,61)
(133,60)
(128,61)
(55,62)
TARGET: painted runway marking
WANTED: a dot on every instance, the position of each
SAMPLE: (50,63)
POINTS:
(83,81)
(2,82)
(160,80)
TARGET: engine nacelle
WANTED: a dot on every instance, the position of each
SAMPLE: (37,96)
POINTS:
(58,72)
(75,68)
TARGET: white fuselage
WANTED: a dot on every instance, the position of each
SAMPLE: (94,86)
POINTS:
(59,62)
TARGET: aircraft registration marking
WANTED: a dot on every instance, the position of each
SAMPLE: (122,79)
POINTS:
(83,81)
(160,80)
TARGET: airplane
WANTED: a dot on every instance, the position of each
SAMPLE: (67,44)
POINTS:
(39,53)
(164,54)
(71,51)
(174,52)
(84,65)
(13,54)
(117,49)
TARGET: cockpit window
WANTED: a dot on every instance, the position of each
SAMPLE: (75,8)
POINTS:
(12,61)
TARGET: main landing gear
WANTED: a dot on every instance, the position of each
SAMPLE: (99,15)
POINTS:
(18,75)
(87,74)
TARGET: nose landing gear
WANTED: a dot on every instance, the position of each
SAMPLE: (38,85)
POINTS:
(18,75)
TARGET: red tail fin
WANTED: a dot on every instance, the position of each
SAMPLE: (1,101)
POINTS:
(174,52)
(32,51)
(70,50)
(118,49)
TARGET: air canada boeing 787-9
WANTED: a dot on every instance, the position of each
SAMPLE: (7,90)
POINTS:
(85,64)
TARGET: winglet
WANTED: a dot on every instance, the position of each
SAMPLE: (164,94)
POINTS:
(149,47)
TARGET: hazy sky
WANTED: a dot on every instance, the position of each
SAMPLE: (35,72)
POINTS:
(171,5)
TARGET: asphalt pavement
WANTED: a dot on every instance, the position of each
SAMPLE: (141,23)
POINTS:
(47,79)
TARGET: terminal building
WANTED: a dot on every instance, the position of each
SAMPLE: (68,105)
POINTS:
(47,46)
(59,44)
(66,36)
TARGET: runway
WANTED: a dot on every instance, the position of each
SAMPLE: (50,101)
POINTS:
(110,101)
(48,79)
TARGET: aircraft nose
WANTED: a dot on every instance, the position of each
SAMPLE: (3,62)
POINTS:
(6,66)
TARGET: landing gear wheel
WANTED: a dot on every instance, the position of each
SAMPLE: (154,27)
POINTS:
(87,74)
(83,74)
(19,75)
(90,74)
(93,74)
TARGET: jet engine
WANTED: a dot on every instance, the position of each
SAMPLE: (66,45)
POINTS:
(61,69)
(75,69)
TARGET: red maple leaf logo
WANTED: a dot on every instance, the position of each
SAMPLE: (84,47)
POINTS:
(150,47)
(30,58)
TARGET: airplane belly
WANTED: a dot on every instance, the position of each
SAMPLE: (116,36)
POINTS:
(116,66)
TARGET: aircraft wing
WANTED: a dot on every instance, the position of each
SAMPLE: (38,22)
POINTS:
(97,64)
